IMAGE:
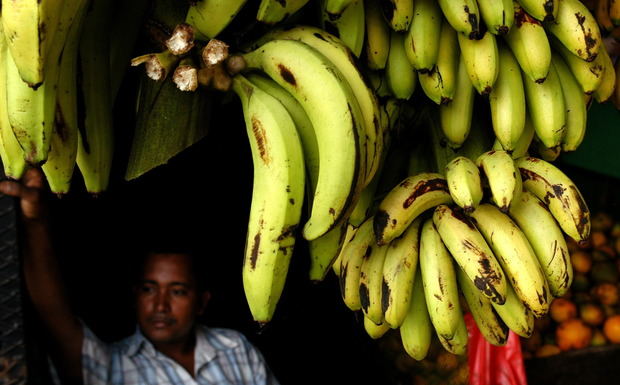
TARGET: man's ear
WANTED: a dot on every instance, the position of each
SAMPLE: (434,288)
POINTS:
(203,301)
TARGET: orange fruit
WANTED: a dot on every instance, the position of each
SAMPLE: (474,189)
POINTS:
(547,350)
(562,309)
(611,329)
(598,239)
(582,261)
(592,314)
(607,293)
(573,334)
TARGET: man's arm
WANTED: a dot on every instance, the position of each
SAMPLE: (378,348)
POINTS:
(42,275)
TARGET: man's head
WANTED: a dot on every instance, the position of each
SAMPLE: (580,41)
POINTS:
(169,297)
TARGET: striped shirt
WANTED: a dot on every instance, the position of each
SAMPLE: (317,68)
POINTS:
(221,357)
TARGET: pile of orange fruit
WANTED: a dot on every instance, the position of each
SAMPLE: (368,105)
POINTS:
(589,314)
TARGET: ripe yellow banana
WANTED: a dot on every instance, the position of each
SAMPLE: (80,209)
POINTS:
(399,268)
(274,11)
(399,73)
(337,121)
(377,36)
(576,29)
(560,194)
(546,239)
(375,331)
(493,329)
(422,39)
(507,100)
(516,257)
(545,103)
(210,17)
(398,13)
(455,117)
(371,282)
(481,59)
(588,74)
(543,10)
(463,16)
(351,258)
(277,197)
(440,83)
(471,252)
(606,89)
(576,111)
(498,15)
(529,43)
(503,177)
(464,183)
(347,238)
(515,314)
(458,344)
(416,330)
(406,201)
(439,279)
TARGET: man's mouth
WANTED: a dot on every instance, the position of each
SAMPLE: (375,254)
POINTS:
(161,322)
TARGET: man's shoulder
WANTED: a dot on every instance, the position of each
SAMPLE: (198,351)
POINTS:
(223,337)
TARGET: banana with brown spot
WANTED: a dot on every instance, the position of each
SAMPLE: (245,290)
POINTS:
(371,282)
(576,29)
(515,315)
(463,16)
(351,259)
(503,177)
(422,40)
(498,15)
(471,252)
(542,10)
(464,183)
(458,344)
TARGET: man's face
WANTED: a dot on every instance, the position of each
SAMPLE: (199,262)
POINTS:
(167,299)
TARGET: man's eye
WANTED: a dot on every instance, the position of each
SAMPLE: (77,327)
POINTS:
(147,289)
(179,292)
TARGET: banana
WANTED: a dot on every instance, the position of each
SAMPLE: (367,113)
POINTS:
(455,117)
(371,282)
(210,17)
(507,100)
(347,238)
(523,144)
(576,29)
(614,11)
(602,15)
(588,74)
(351,257)
(58,168)
(439,280)
(498,15)
(375,331)
(471,252)
(440,83)
(349,27)
(463,16)
(606,88)
(29,28)
(422,40)
(274,11)
(335,8)
(464,183)
(576,111)
(377,36)
(515,315)
(544,152)
(336,118)
(545,103)
(399,73)
(406,201)
(493,329)
(529,43)
(458,344)
(11,153)
(515,255)
(325,250)
(543,10)
(416,330)
(277,197)
(398,13)
(503,177)
(95,140)
(481,59)
(560,194)
(399,268)
(546,239)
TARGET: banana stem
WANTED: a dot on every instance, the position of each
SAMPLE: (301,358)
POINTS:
(158,65)
(235,64)
(216,51)
(186,75)
(182,39)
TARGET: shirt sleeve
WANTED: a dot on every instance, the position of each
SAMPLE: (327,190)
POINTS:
(96,359)
(262,373)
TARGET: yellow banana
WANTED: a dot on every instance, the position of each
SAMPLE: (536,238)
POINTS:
(347,238)
(576,29)
(463,16)
(371,282)
(455,117)
(399,73)
(543,10)
(458,344)
(351,258)
(422,40)
(498,15)
(515,314)
(503,177)
(471,252)
(375,331)
(399,268)
(606,89)
(560,194)
(416,330)
(398,13)
(546,239)
(406,201)
(464,183)
(325,250)
(377,36)
(481,59)
(440,83)
(588,74)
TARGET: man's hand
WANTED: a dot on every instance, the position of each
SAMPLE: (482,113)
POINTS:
(30,193)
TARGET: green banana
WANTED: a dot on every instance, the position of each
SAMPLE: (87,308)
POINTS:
(464,183)
(463,16)
(351,230)
(325,250)
(371,282)
(399,73)
(275,11)
(335,8)
(377,44)
(471,252)
(576,28)
(588,74)
(515,315)
(498,15)
(455,117)
(375,331)
(440,83)
(608,84)
(481,59)
(416,330)
(542,10)
(422,40)
(210,17)
(351,258)
(398,14)
(502,176)
(277,197)
(458,344)
(350,27)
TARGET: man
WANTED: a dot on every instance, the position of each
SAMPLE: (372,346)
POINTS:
(169,347)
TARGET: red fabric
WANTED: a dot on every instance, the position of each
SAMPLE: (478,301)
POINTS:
(493,365)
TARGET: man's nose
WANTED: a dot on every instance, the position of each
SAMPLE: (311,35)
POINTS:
(162,302)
